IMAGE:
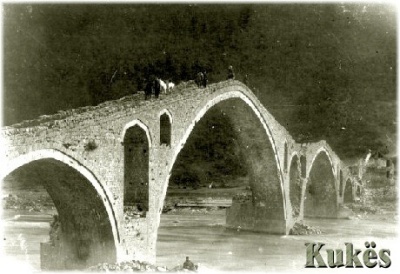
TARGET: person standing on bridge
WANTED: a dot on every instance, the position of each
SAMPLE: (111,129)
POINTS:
(199,79)
(148,90)
(205,79)
(231,74)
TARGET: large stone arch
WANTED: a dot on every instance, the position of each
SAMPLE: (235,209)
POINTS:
(90,232)
(260,201)
(295,184)
(320,196)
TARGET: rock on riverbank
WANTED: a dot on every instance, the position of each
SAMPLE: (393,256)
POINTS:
(303,229)
(134,266)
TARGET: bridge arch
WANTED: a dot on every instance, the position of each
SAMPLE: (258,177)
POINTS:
(137,144)
(165,118)
(348,191)
(317,153)
(167,112)
(320,197)
(133,123)
(79,197)
(222,100)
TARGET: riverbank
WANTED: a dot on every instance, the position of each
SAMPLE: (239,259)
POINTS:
(382,204)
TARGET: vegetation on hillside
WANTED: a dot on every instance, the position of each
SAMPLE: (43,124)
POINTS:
(324,71)
(211,156)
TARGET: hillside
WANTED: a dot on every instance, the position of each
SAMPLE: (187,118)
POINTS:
(324,71)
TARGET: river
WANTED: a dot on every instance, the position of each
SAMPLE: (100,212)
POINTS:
(206,241)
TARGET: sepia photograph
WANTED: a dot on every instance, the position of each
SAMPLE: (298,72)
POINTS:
(199,137)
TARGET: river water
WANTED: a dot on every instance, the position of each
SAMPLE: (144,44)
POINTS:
(206,241)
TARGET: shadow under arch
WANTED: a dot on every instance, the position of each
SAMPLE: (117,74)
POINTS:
(348,192)
(165,118)
(341,182)
(89,232)
(255,138)
(136,168)
(295,185)
(320,197)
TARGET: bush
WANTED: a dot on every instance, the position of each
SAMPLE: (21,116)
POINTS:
(91,145)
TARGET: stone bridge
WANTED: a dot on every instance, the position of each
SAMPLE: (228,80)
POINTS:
(96,161)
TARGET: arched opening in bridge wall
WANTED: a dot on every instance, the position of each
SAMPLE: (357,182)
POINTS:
(303,165)
(228,164)
(358,192)
(165,129)
(348,192)
(295,185)
(320,197)
(83,235)
(136,169)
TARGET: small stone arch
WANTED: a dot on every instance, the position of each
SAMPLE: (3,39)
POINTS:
(318,152)
(167,112)
(165,127)
(133,123)
(348,192)
(136,166)
(320,197)
(358,192)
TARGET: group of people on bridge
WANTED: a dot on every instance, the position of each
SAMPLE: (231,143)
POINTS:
(155,85)
(231,74)
(201,79)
